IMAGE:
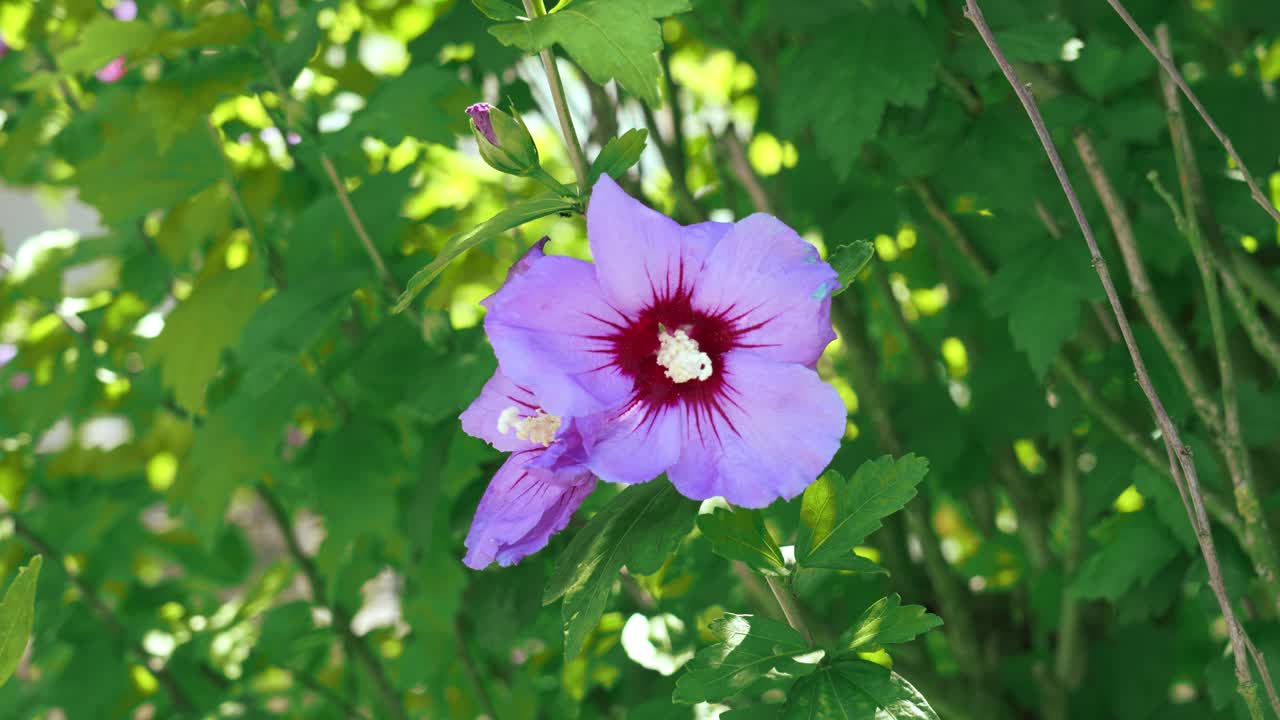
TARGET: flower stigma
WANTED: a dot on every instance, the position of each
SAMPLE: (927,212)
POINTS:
(679,354)
(540,428)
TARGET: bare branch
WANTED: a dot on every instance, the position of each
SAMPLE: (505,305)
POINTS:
(1181,465)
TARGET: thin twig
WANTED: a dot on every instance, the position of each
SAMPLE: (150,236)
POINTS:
(354,218)
(535,9)
(1172,70)
(1166,332)
(951,229)
(1181,465)
(105,614)
(741,169)
(671,156)
(1069,661)
(469,666)
(341,617)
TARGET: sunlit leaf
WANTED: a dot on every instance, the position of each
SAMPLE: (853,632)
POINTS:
(879,488)
(610,40)
(740,534)
(888,622)
(17,614)
(618,155)
(637,529)
(750,648)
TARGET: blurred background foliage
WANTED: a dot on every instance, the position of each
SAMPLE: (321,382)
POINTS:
(246,477)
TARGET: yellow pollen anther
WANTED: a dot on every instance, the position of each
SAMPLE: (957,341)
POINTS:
(540,428)
(679,354)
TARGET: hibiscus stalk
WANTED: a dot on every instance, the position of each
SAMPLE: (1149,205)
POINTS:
(536,9)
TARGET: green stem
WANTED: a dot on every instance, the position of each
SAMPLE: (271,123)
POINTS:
(468,666)
(790,607)
(671,156)
(959,627)
(1068,663)
(535,9)
(548,180)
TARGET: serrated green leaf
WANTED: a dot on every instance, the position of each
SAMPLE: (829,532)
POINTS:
(513,217)
(856,690)
(17,616)
(200,328)
(1135,547)
(1041,289)
(185,97)
(863,56)
(848,261)
(879,488)
(611,40)
(422,103)
(638,528)
(740,534)
(750,647)
(886,623)
(618,155)
(202,216)
(501,10)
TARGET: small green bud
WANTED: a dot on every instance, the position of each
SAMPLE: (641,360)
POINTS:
(505,142)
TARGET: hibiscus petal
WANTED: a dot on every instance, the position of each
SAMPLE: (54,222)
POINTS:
(640,253)
(546,326)
(521,510)
(635,447)
(773,432)
(773,284)
(480,420)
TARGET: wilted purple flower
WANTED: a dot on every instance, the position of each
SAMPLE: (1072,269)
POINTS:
(542,483)
(125,10)
(480,114)
(684,350)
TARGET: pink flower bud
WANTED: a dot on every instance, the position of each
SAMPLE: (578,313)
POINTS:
(480,114)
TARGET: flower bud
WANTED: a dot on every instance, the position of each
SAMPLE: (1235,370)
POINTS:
(505,143)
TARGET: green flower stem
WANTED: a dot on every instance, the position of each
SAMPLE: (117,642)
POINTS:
(790,607)
(548,180)
(959,628)
(536,9)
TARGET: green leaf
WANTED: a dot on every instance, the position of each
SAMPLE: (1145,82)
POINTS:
(131,175)
(750,647)
(879,488)
(200,328)
(638,528)
(501,10)
(1041,289)
(1134,548)
(611,40)
(514,216)
(866,57)
(422,103)
(856,690)
(618,155)
(848,261)
(185,97)
(888,623)
(204,215)
(740,534)
(17,615)
(102,40)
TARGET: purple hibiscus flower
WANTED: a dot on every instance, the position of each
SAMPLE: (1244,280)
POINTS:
(538,488)
(545,479)
(688,350)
